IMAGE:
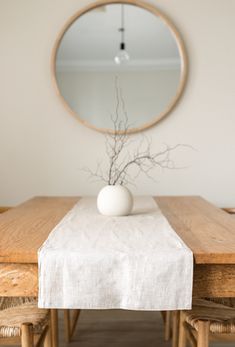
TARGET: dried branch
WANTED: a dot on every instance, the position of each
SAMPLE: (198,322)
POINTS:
(121,160)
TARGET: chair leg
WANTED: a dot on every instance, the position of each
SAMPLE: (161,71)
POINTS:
(190,336)
(54,328)
(27,335)
(167,328)
(203,333)
(47,341)
(67,325)
(175,328)
(70,322)
(74,321)
(182,331)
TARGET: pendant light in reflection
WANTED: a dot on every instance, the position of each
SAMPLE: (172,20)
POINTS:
(122,57)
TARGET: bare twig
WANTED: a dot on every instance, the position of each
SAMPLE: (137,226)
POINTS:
(121,160)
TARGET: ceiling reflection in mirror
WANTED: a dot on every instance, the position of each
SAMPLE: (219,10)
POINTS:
(119,53)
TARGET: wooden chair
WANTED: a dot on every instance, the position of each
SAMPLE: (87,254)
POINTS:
(70,318)
(210,319)
(23,323)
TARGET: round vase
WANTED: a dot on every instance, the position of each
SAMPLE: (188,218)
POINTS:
(115,200)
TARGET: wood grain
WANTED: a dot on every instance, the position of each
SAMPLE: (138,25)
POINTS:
(4,209)
(207,230)
(209,280)
(24,229)
(214,280)
(230,210)
(18,279)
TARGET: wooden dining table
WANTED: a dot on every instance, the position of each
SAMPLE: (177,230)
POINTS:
(206,229)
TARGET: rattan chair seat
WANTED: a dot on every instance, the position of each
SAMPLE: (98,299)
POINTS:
(221,316)
(16,311)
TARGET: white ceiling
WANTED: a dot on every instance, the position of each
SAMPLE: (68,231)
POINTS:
(93,39)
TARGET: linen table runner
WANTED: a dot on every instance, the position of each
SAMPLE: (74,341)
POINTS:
(135,262)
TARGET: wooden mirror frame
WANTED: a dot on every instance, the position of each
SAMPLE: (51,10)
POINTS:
(176,35)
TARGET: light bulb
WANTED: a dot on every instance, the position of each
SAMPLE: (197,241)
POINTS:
(122,56)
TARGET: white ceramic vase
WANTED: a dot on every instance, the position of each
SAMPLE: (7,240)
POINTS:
(115,200)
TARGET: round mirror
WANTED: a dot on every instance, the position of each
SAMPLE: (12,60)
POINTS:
(119,58)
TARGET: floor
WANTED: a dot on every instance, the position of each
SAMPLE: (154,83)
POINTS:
(118,328)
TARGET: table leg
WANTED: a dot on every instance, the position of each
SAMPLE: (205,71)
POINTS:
(168,327)
(182,331)
(54,328)
(175,328)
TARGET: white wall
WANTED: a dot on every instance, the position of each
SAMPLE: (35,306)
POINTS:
(42,147)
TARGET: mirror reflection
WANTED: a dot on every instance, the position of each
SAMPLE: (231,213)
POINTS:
(126,44)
